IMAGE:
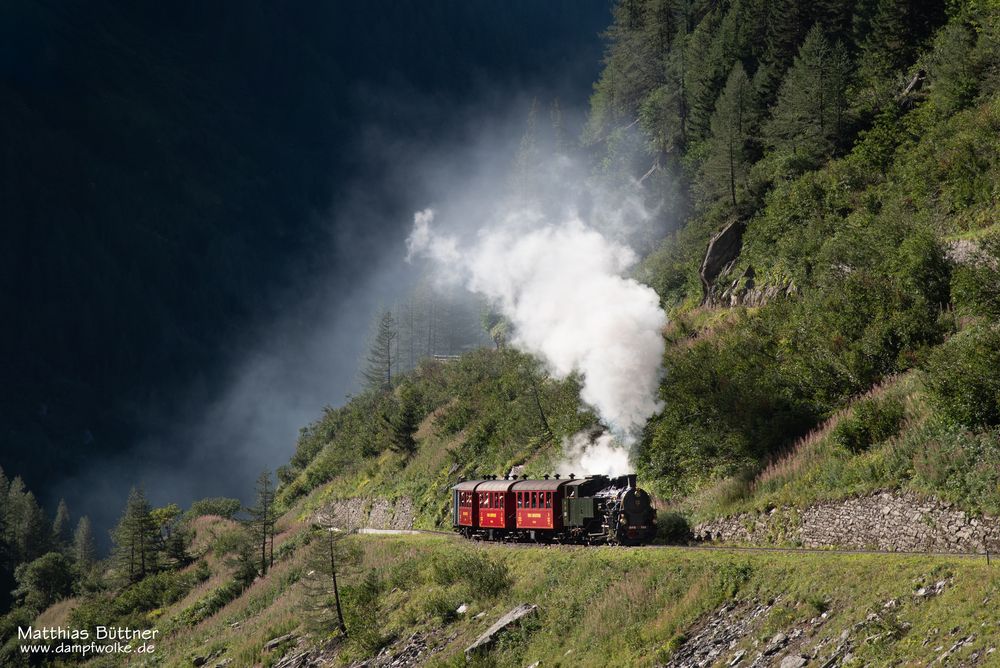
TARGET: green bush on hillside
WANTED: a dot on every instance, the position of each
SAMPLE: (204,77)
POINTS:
(484,575)
(975,285)
(872,421)
(962,378)
(221,506)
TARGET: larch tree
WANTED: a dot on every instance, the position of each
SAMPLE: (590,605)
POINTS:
(405,422)
(262,521)
(84,551)
(61,526)
(28,530)
(809,116)
(325,560)
(378,373)
(136,539)
(733,125)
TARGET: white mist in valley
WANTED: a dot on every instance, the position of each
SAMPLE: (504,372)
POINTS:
(562,285)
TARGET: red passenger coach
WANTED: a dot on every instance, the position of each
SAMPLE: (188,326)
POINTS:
(496,504)
(539,503)
(466,504)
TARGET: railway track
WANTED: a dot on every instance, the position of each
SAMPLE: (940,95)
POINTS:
(703,548)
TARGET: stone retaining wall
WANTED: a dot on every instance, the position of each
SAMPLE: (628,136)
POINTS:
(376,513)
(883,520)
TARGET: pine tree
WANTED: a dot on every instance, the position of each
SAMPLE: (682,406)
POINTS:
(84,552)
(136,539)
(378,374)
(323,565)
(728,158)
(61,526)
(407,420)
(262,521)
(785,28)
(891,33)
(28,530)
(701,78)
(809,116)
(244,564)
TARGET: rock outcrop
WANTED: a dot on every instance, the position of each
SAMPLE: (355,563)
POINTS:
(722,252)
(883,520)
(512,618)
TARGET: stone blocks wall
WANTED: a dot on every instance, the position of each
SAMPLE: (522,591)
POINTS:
(884,520)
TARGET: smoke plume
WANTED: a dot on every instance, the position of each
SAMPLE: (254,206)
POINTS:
(561,284)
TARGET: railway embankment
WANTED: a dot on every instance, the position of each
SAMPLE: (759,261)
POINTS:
(883,520)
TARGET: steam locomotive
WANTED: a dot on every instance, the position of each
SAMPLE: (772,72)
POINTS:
(596,509)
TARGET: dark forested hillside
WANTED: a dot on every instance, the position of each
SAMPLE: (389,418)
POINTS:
(167,173)
(831,141)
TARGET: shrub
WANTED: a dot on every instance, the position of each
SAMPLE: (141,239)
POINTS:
(975,284)
(209,605)
(871,422)
(229,541)
(484,575)
(361,613)
(672,528)
(962,378)
(221,506)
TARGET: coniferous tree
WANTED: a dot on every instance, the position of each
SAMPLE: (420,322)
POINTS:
(407,420)
(244,564)
(84,551)
(136,539)
(891,33)
(61,526)
(323,566)
(262,521)
(381,357)
(809,116)
(701,78)
(733,126)
(28,530)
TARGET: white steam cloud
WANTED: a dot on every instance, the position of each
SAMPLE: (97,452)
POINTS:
(562,286)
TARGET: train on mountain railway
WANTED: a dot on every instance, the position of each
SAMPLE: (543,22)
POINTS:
(595,509)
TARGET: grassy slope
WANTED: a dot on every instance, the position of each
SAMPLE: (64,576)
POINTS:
(586,596)
(612,606)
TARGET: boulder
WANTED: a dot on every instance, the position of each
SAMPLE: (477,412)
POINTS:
(722,250)
(512,618)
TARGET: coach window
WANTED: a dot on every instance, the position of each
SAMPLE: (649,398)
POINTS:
(520,500)
(548,499)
